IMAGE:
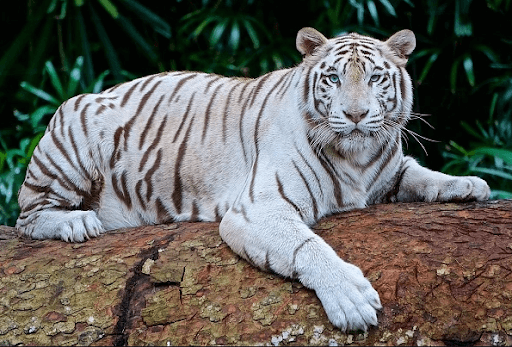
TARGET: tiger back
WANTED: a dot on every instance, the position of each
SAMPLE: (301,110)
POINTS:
(267,157)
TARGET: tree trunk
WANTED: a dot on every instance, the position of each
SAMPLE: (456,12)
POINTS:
(443,272)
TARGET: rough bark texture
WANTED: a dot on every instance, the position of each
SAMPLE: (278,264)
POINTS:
(443,271)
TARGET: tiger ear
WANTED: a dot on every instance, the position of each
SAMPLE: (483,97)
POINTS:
(402,43)
(309,39)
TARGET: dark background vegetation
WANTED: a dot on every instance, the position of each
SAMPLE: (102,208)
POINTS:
(52,50)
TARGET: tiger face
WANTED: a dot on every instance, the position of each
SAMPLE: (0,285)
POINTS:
(361,92)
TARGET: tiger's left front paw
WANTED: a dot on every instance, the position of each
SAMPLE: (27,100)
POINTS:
(468,188)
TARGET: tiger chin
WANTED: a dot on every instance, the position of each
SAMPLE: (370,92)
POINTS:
(267,157)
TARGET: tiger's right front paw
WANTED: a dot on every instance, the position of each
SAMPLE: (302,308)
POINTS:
(348,298)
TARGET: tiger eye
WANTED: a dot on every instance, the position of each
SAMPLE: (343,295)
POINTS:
(334,78)
(374,78)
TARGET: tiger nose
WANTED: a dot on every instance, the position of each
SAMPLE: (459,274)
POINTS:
(355,115)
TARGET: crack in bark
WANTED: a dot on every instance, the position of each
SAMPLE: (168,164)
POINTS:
(132,291)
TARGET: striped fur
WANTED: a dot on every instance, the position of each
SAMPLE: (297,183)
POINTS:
(267,157)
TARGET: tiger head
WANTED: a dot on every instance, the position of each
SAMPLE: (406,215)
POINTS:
(356,89)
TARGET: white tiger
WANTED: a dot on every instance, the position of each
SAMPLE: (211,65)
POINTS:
(267,157)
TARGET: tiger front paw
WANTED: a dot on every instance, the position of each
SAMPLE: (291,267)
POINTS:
(468,188)
(348,298)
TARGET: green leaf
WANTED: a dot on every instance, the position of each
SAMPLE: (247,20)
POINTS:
(37,115)
(14,51)
(54,78)
(217,32)
(52,6)
(459,148)
(373,11)
(500,194)
(40,93)
(202,25)
(504,154)
(158,24)
(234,37)
(63,9)
(453,75)
(137,37)
(489,53)
(97,85)
(467,62)
(492,107)
(252,33)
(112,58)
(433,57)
(110,8)
(472,131)
(389,7)
(74,76)
(278,61)
(462,25)
(493,172)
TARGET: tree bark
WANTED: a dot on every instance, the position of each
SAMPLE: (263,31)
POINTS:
(443,272)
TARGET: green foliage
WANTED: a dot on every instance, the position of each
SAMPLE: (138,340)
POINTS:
(489,158)
(81,30)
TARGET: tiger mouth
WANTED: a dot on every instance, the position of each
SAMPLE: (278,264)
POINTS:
(358,133)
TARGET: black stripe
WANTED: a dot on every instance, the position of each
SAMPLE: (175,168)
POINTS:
(142,103)
(295,251)
(147,81)
(305,96)
(117,141)
(177,189)
(194,215)
(138,192)
(179,85)
(127,95)
(209,84)
(122,192)
(67,184)
(390,154)
(150,172)
(83,115)
(207,113)
(310,167)
(162,214)
(335,183)
(308,188)
(156,141)
(77,155)
(280,189)
(149,122)
(184,118)
(78,101)
(241,211)
(225,113)
(62,149)
(256,142)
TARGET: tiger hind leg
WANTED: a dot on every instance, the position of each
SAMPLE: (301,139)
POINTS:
(60,193)
(70,226)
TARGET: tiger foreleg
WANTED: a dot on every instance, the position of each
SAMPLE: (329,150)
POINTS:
(417,183)
(282,243)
